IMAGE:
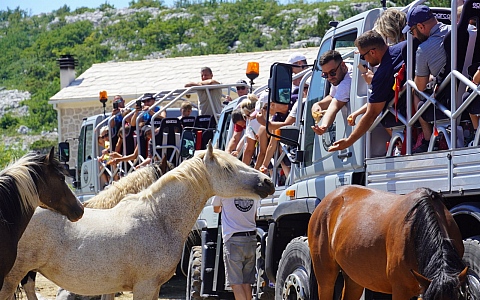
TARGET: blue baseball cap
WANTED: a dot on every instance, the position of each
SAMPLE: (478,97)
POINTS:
(418,14)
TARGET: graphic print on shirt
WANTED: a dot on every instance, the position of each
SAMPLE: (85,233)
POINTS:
(244,205)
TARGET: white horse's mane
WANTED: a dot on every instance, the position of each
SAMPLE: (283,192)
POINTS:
(21,172)
(192,173)
(134,183)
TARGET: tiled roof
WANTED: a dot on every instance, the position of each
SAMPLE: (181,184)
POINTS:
(133,78)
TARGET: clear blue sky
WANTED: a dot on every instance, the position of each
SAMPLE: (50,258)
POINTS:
(43,6)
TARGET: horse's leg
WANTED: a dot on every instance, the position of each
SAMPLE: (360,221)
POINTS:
(9,287)
(108,297)
(351,289)
(28,284)
(146,290)
(325,267)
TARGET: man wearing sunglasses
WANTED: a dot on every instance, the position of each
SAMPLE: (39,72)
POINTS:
(339,75)
(430,57)
(242,90)
(372,47)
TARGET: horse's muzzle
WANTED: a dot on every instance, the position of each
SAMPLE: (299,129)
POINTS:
(265,188)
(76,213)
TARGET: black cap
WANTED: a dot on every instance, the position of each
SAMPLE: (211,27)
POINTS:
(147,96)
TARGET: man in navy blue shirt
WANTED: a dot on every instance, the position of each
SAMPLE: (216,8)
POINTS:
(372,48)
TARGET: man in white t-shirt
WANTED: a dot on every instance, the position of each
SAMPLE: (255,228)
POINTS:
(339,75)
(239,243)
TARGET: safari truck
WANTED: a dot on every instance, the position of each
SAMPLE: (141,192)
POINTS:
(284,268)
(451,170)
(88,171)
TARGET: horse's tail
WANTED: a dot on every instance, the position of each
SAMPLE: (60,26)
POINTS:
(436,255)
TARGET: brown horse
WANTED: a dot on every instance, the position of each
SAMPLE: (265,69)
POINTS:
(404,245)
(31,181)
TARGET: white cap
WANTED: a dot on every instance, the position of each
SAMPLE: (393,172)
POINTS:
(262,100)
(294,57)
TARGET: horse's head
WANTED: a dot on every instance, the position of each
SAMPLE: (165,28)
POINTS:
(440,289)
(53,191)
(232,178)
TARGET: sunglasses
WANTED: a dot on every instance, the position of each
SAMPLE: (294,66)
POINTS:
(362,56)
(332,73)
(412,28)
(240,88)
(102,136)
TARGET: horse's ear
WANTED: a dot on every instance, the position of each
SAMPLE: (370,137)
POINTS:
(51,156)
(164,165)
(422,280)
(463,275)
(209,152)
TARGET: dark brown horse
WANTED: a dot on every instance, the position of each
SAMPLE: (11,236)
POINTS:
(31,181)
(405,245)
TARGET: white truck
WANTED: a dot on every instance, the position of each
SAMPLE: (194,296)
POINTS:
(283,264)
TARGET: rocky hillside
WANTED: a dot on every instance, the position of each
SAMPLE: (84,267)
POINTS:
(30,45)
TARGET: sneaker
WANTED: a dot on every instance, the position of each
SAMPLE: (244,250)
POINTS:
(423,147)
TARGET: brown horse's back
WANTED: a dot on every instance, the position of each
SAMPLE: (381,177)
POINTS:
(349,230)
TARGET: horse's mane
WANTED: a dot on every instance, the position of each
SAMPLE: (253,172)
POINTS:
(18,184)
(133,183)
(190,172)
(436,256)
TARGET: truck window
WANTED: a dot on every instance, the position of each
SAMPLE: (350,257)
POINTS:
(84,145)
(222,141)
(344,43)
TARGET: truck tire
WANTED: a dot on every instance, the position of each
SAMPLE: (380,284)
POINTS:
(194,276)
(262,291)
(295,277)
(471,257)
(194,281)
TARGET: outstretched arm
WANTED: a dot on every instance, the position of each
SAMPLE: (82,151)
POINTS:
(373,110)
(329,117)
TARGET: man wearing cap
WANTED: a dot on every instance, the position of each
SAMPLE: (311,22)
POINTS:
(373,49)
(148,100)
(299,60)
(430,56)
(204,106)
(242,90)
(339,75)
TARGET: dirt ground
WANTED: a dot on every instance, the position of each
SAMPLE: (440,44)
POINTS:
(174,289)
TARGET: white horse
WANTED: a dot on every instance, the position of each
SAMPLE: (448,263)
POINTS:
(136,245)
(133,183)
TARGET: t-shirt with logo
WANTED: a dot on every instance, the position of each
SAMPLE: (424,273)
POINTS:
(238,215)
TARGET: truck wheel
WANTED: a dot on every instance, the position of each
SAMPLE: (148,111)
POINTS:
(263,291)
(194,281)
(295,277)
(471,257)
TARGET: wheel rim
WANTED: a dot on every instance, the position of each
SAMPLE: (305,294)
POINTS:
(294,286)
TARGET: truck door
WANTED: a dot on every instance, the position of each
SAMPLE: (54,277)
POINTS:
(87,166)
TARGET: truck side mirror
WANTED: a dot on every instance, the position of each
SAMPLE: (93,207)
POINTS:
(63,152)
(187,144)
(280,83)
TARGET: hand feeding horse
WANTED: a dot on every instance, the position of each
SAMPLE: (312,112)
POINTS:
(133,183)
(136,245)
(404,245)
(31,181)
